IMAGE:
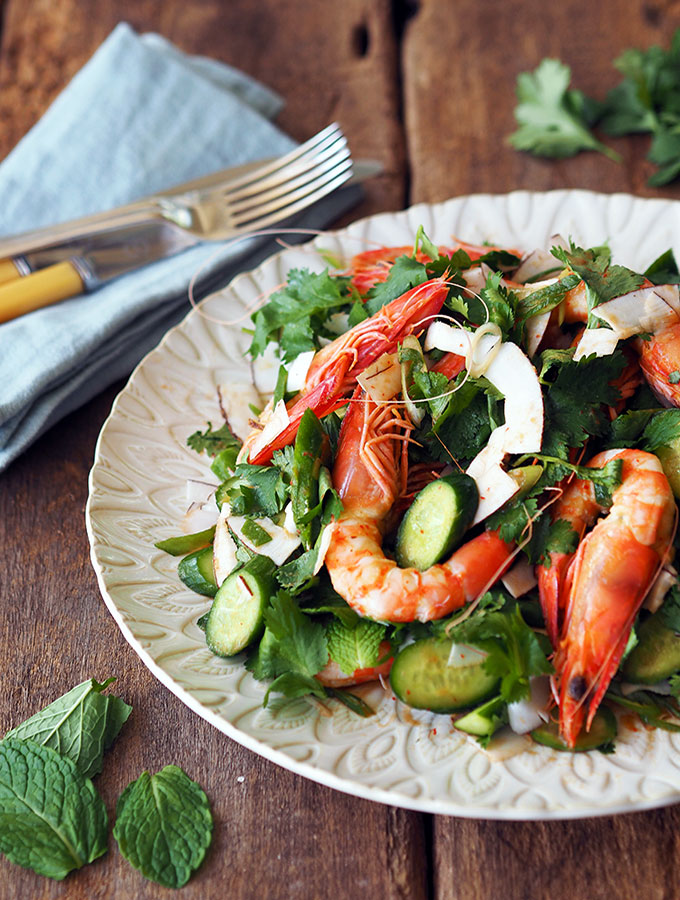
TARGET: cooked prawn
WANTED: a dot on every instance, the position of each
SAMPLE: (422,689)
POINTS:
(332,375)
(368,477)
(607,580)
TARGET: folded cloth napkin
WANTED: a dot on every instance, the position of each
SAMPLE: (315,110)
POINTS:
(139,117)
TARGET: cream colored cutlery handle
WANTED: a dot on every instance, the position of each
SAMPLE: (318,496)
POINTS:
(8,270)
(23,295)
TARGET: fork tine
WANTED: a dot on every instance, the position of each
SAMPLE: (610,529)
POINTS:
(297,201)
(308,176)
(301,167)
(331,132)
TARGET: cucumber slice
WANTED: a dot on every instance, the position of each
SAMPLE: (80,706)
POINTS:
(436,521)
(236,618)
(421,677)
(602,732)
(196,571)
(487,718)
(656,655)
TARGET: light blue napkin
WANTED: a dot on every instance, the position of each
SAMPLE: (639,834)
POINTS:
(139,117)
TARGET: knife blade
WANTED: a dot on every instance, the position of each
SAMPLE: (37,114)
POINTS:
(49,273)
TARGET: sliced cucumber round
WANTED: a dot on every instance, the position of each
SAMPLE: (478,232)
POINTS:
(422,677)
(236,618)
(602,732)
(196,571)
(436,521)
(656,655)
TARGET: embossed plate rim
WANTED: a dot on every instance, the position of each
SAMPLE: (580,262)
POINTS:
(520,204)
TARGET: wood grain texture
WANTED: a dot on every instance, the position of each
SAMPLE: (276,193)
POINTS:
(330,61)
(460,61)
(276,834)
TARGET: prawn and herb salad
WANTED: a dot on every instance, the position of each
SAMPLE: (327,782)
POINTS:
(463,483)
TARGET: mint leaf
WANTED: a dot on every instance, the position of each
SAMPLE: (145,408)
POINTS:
(164,826)
(52,819)
(355,647)
(553,120)
(81,725)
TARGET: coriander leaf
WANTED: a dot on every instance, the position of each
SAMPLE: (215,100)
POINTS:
(560,538)
(294,315)
(355,647)
(664,269)
(52,819)
(214,442)
(514,651)
(423,243)
(626,429)
(257,490)
(662,430)
(164,826)
(575,401)
(80,725)
(664,152)
(553,120)
(293,645)
(670,609)
(603,280)
(405,273)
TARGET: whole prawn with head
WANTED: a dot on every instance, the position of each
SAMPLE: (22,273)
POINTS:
(369,474)
(591,597)
(332,375)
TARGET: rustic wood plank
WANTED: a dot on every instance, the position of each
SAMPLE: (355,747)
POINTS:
(347,72)
(276,834)
(613,858)
(459,100)
(458,111)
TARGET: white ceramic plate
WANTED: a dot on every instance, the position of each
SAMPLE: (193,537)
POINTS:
(137,489)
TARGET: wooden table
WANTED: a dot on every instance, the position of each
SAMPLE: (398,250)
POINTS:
(428,89)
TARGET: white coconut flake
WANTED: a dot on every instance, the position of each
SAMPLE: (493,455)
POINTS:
(462,655)
(644,310)
(236,399)
(224,548)
(521,578)
(666,578)
(525,715)
(534,329)
(535,263)
(265,369)
(382,379)
(505,744)
(297,370)
(513,374)
(598,341)
(275,421)
(324,544)
(476,277)
(282,543)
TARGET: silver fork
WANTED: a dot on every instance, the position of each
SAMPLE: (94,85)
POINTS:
(214,207)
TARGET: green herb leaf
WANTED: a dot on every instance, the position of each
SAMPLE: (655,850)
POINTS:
(294,316)
(81,725)
(662,430)
(164,826)
(670,609)
(603,280)
(515,652)
(405,273)
(52,819)
(214,442)
(553,120)
(258,491)
(355,647)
